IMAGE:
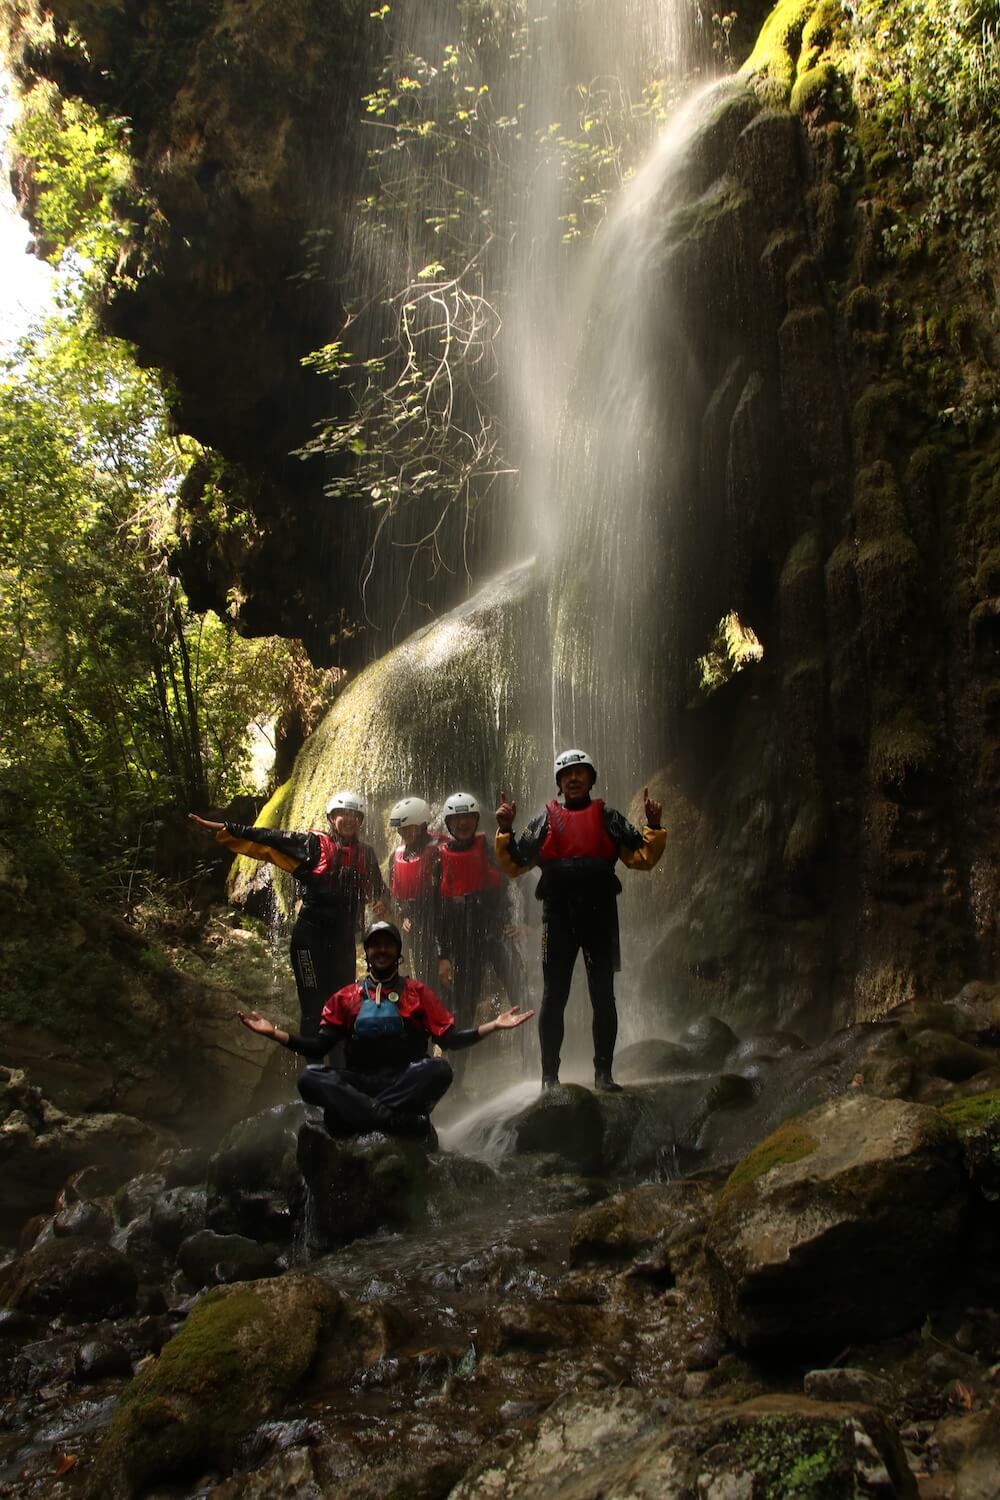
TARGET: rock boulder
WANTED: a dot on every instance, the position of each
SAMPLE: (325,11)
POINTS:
(836,1227)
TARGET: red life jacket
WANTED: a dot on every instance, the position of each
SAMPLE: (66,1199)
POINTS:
(341,875)
(466,871)
(577,833)
(412,879)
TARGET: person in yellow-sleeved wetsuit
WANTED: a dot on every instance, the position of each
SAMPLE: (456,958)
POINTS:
(577,843)
(337,877)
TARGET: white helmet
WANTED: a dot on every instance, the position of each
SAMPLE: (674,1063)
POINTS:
(459,802)
(409,812)
(348,802)
(567,758)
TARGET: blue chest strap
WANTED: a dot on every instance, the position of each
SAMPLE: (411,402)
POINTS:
(378,1015)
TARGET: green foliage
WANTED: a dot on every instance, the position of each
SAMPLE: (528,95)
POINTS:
(928,81)
(79,165)
(114,698)
(733,647)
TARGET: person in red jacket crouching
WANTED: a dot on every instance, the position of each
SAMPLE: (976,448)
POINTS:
(386,1022)
(577,843)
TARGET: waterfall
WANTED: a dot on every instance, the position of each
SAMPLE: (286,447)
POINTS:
(619,465)
(524,277)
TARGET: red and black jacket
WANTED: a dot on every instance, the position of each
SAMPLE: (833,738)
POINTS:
(424,1017)
(335,878)
(577,849)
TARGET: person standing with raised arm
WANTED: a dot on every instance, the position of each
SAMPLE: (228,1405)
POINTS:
(337,878)
(577,843)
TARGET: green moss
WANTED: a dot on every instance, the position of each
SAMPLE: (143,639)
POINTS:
(899,747)
(987,582)
(824,26)
(879,416)
(862,308)
(693,221)
(803,561)
(878,506)
(240,1352)
(981,1109)
(206,1353)
(792,1458)
(807,836)
(789,1143)
(771,65)
(813,88)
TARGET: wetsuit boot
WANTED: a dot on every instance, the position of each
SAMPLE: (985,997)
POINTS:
(605,1084)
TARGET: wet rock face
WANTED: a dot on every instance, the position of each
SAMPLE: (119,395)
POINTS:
(835,1228)
(75,1278)
(209,1259)
(253,1177)
(41,1146)
(617,1446)
(363,1185)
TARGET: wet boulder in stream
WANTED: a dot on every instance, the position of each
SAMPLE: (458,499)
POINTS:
(565,1122)
(209,1259)
(653,1058)
(253,1178)
(359,1186)
(240,1355)
(41,1146)
(76,1278)
(837,1226)
(638,1222)
(638,1131)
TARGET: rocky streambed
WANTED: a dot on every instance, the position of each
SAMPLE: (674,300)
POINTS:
(764,1270)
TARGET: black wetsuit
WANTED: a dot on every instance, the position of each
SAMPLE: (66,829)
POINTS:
(335,880)
(579,894)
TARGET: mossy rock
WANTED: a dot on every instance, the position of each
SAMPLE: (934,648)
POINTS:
(814,89)
(242,1352)
(940,1055)
(77,1279)
(626,1442)
(636,1221)
(361,1185)
(977,1120)
(899,747)
(838,1227)
(786,1144)
(438,700)
(772,63)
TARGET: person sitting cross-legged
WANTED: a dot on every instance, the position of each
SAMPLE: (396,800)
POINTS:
(386,1022)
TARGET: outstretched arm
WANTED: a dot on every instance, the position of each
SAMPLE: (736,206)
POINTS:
(306,1046)
(454,1041)
(256,1022)
(205,823)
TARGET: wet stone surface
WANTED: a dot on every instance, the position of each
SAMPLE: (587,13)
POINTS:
(508,1284)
